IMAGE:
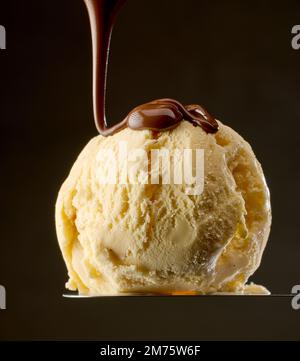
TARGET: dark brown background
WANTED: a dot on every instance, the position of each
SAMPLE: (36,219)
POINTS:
(235,58)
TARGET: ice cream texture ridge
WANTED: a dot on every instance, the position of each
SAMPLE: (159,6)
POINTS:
(119,238)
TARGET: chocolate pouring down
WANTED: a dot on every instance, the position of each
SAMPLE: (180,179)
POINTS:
(159,115)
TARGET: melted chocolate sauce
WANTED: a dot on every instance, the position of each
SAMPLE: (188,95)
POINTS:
(158,115)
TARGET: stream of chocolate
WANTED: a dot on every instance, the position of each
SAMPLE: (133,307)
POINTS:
(158,115)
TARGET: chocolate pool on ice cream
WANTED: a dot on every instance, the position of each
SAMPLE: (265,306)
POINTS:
(130,234)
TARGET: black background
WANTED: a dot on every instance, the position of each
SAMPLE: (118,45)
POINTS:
(235,58)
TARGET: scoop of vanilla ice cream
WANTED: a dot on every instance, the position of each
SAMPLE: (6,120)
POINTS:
(157,237)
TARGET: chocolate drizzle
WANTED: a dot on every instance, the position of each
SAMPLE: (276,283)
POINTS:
(166,114)
(159,115)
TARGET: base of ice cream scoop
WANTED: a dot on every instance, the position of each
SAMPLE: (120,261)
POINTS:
(254,290)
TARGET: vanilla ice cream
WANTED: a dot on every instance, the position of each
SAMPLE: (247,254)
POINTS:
(128,237)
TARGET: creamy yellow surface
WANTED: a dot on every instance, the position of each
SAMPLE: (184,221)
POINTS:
(156,238)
